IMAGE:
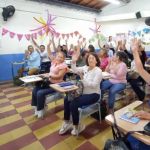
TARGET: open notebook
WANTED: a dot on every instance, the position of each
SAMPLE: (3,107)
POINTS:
(66,85)
(128,116)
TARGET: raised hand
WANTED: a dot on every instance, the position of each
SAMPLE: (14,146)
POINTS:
(135,45)
(143,115)
(76,55)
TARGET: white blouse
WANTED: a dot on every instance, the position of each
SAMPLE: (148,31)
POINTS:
(91,78)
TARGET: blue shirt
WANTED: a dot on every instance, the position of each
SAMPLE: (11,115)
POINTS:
(34,60)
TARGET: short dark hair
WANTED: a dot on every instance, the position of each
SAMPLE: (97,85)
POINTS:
(83,53)
(96,57)
(122,57)
(61,52)
(42,46)
(91,48)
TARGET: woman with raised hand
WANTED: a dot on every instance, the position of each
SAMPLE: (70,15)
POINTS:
(139,66)
(117,82)
(91,76)
(57,71)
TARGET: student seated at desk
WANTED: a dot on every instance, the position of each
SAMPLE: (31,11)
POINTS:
(91,76)
(45,61)
(138,145)
(32,59)
(117,82)
(136,80)
(104,59)
(135,143)
(56,75)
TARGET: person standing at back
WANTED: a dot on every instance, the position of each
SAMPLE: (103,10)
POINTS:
(45,61)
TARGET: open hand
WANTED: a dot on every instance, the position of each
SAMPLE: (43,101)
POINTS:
(143,115)
(135,45)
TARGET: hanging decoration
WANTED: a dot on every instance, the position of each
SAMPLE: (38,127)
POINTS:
(43,30)
(46,25)
(100,37)
(4,31)
(143,34)
(96,30)
(19,36)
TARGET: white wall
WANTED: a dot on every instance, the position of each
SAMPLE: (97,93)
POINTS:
(123,26)
(68,20)
(125,11)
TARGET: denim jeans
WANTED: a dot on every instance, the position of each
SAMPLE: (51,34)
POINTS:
(38,96)
(136,144)
(71,107)
(114,88)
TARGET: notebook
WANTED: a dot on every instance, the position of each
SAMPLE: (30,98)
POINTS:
(128,116)
(64,84)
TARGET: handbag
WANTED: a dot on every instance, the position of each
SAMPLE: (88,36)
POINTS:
(44,83)
(133,75)
(76,93)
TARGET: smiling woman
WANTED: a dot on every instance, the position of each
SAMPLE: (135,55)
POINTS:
(91,76)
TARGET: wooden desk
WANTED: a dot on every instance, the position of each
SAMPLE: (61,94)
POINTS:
(33,78)
(30,79)
(127,126)
(63,89)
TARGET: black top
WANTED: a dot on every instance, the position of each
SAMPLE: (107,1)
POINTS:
(142,56)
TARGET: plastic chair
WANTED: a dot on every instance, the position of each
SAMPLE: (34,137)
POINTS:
(53,97)
(86,111)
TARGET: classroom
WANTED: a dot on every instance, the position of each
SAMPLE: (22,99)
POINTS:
(75,75)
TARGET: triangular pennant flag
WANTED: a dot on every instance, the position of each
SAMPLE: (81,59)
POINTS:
(76,33)
(19,36)
(63,36)
(84,39)
(27,36)
(4,31)
(57,34)
(34,35)
(67,36)
(80,36)
(12,34)
(71,35)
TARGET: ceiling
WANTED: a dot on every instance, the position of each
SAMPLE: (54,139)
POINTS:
(87,5)
(94,4)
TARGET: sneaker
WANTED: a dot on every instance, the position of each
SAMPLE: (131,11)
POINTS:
(78,130)
(40,113)
(35,111)
(65,127)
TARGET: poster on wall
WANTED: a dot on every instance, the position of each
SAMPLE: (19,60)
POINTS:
(120,36)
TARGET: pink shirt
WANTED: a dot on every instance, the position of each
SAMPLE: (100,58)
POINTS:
(104,63)
(118,75)
(54,70)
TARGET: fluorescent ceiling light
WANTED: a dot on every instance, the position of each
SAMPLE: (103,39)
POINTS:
(116,2)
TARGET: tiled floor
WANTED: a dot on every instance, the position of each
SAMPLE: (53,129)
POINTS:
(19,129)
